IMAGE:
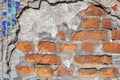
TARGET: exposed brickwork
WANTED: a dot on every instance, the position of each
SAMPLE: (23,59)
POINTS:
(25,46)
(92,60)
(62,71)
(91,23)
(116,34)
(89,35)
(107,23)
(47,46)
(111,47)
(25,70)
(68,47)
(93,11)
(44,72)
(61,35)
(109,73)
(88,72)
(43,59)
(89,46)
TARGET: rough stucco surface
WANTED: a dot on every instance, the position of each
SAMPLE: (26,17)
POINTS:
(33,22)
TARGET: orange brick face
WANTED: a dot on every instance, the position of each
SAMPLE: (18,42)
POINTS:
(44,72)
(89,35)
(25,70)
(61,35)
(107,23)
(68,47)
(91,23)
(92,60)
(88,72)
(47,46)
(109,73)
(70,72)
(43,59)
(25,46)
(62,71)
(116,34)
(111,47)
(93,11)
(89,46)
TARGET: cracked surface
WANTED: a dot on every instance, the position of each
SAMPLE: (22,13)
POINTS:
(37,16)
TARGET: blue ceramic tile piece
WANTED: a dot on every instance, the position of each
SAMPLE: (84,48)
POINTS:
(17,8)
(4,0)
(4,22)
(9,5)
(4,13)
(8,23)
(13,20)
(9,0)
(4,34)
(17,3)
(3,28)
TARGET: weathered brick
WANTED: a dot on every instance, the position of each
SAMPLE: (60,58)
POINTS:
(89,35)
(64,47)
(88,72)
(44,72)
(109,73)
(93,11)
(115,7)
(116,34)
(107,23)
(70,72)
(43,59)
(25,70)
(91,23)
(92,60)
(111,47)
(47,46)
(89,46)
(25,46)
(61,35)
(118,0)
(62,71)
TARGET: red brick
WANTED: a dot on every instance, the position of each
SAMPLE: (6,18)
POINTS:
(25,70)
(62,71)
(111,47)
(92,60)
(89,35)
(107,23)
(47,46)
(43,59)
(64,47)
(116,34)
(109,73)
(44,72)
(118,0)
(115,7)
(61,35)
(93,11)
(70,72)
(89,46)
(88,72)
(91,23)
(25,46)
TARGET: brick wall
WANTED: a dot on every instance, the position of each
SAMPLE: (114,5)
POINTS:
(87,53)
